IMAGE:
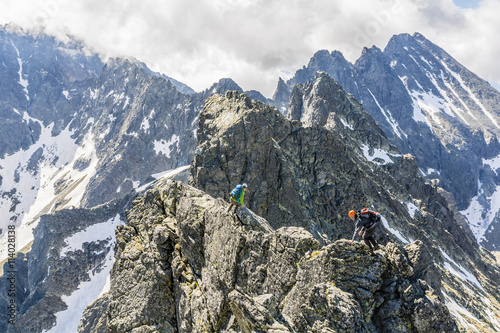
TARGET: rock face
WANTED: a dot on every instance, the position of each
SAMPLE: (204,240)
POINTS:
(430,106)
(183,264)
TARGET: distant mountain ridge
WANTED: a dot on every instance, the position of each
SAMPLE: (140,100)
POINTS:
(432,107)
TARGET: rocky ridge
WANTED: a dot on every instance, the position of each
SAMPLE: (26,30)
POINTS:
(184,264)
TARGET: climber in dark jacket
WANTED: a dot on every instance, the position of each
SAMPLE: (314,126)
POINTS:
(366,224)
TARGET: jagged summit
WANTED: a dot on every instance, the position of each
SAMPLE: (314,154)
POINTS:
(323,102)
(430,106)
(373,50)
(223,85)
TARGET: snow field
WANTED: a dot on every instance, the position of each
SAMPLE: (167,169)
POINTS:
(99,283)
(35,189)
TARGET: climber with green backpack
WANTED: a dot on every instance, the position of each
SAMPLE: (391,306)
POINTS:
(366,224)
(236,197)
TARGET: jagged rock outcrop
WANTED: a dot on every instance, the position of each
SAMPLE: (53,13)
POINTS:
(183,264)
(310,177)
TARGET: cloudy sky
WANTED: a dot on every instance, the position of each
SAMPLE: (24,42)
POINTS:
(255,42)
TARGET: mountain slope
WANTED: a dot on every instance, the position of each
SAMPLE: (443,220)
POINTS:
(432,107)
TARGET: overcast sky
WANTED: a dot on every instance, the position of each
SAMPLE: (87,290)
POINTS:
(255,42)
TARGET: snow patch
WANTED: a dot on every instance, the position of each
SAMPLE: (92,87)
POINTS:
(22,81)
(494,162)
(481,213)
(430,171)
(459,312)
(127,101)
(425,60)
(93,93)
(456,269)
(145,122)
(430,103)
(479,216)
(395,232)
(412,209)
(163,146)
(346,124)
(169,173)
(98,231)
(418,115)
(87,291)
(133,134)
(110,93)
(162,175)
(389,118)
(377,154)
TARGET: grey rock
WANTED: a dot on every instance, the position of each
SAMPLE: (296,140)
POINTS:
(222,275)
(92,321)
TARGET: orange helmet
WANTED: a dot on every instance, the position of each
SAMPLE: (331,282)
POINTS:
(352,213)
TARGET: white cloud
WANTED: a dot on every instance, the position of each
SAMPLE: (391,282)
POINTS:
(255,42)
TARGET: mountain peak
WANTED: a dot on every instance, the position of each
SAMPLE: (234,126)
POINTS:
(224,85)
(370,50)
(419,36)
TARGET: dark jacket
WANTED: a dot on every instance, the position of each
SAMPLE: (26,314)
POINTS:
(365,221)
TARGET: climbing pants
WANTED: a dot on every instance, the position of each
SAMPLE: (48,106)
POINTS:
(368,237)
(233,203)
